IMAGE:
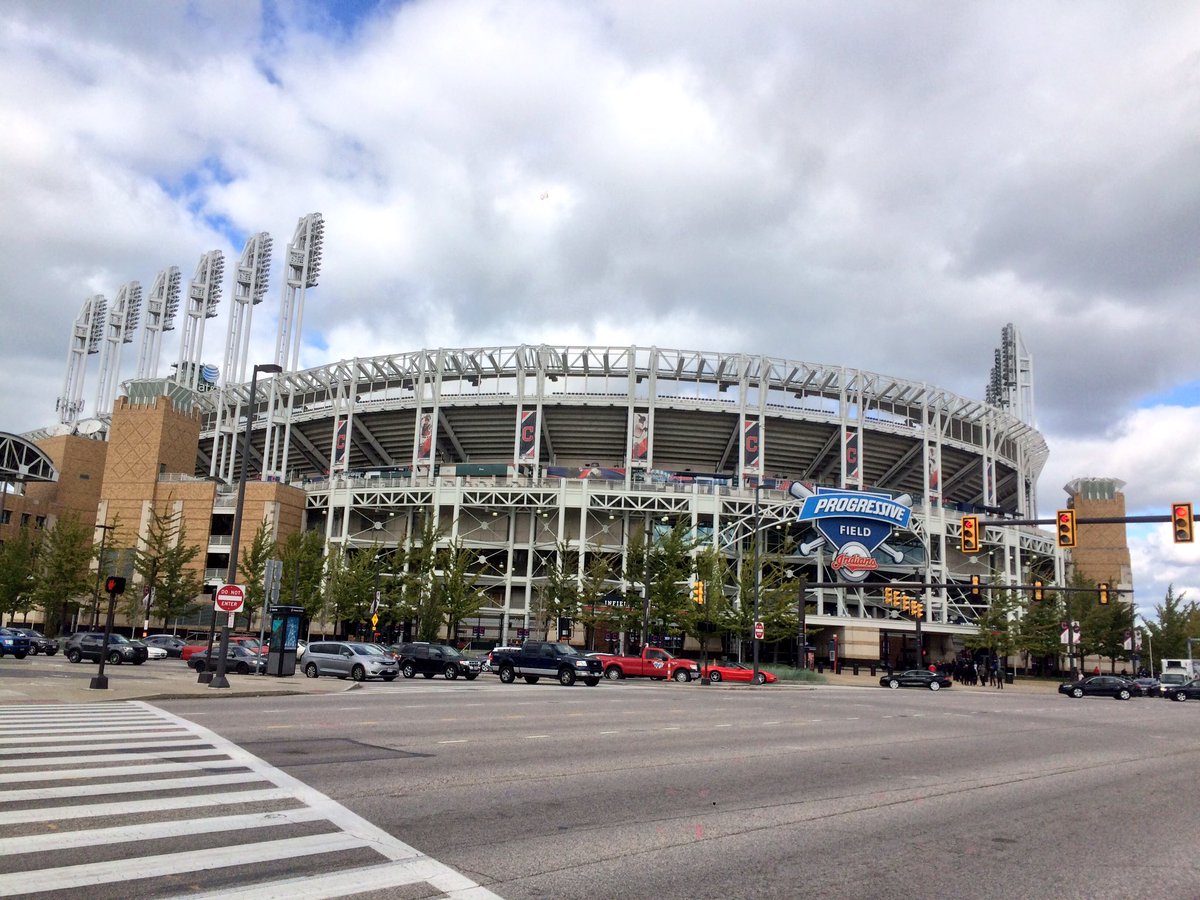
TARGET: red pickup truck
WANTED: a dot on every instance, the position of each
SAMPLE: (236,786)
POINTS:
(652,663)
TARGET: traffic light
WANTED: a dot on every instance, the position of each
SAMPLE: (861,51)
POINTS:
(889,596)
(114,584)
(698,592)
(918,609)
(905,602)
(970,534)
(1038,594)
(1102,587)
(976,593)
(1066,528)
(1181,522)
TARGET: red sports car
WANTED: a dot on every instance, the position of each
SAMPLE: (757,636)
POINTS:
(734,671)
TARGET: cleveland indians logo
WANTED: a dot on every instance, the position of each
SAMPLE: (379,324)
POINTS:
(855,523)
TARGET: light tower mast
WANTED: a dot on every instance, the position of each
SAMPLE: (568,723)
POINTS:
(250,284)
(85,340)
(160,316)
(204,293)
(121,322)
(302,268)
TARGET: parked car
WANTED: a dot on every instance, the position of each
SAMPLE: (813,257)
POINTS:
(1100,686)
(153,652)
(250,642)
(38,642)
(169,642)
(90,646)
(489,660)
(187,651)
(548,659)
(935,681)
(349,659)
(437,659)
(1148,686)
(238,660)
(14,642)
(735,671)
(1188,691)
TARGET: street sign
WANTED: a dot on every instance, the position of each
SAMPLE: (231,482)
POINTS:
(374,621)
(230,598)
(759,631)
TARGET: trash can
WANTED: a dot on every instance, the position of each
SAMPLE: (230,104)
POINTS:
(1009,674)
(286,622)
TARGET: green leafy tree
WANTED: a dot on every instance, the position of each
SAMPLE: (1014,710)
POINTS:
(595,615)
(1177,620)
(303,557)
(419,601)
(164,561)
(18,560)
(997,629)
(669,568)
(1039,630)
(456,586)
(350,585)
(559,594)
(252,568)
(62,577)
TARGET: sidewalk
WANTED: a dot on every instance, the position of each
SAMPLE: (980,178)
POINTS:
(865,679)
(144,683)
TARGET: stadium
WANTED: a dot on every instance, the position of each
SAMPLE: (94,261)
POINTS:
(518,450)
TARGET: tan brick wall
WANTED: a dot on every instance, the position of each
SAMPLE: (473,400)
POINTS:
(1102,551)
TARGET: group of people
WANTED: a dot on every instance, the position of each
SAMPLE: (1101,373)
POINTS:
(968,672)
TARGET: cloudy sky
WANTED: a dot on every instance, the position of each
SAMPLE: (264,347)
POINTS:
(880,185)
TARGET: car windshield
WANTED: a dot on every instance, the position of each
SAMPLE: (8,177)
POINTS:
(367,649)
(117,639)
(565,650)
(451,653)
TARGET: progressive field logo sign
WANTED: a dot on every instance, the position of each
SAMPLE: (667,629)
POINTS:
(855,524)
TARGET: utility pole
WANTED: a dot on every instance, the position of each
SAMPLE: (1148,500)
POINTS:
(104,530)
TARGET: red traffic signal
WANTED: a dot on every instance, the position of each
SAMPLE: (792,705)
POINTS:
(970,534)
(114,584)
(1181,522)
(1066,528)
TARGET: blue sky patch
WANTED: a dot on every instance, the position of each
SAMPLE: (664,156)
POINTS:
(1186,394)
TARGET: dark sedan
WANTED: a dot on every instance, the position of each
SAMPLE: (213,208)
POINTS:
(1181,692)
(173,645)
(915,678)
(1148,686)
(239,661)
(1101,686)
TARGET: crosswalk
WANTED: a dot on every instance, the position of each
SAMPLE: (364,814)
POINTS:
(126,800)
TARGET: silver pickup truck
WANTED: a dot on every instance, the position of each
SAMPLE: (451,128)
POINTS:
(543,659)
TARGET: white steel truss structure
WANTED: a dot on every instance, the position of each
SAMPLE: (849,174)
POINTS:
(249,287)
(204,295)
(302,269)
(85,340)
(161,307)
(121,321)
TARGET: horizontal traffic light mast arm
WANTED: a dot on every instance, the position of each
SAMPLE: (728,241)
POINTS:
(983,586)
(1081,520)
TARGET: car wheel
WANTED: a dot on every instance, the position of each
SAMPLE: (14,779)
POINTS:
(760,678)
(1077,692)
(507,675)
(532,679)
(935,686)
(311,670)
(428,674)
(115,658)
(408,670)
(138,662)
(1180,696)
(358,673)
(566,677)
(20,655)
(591,682)
(714,677)
(614,673)
(51,651)
(682,675)
(893,684)
(1123,694)
(389,677)
(451,672)
(242,669)
(74,655)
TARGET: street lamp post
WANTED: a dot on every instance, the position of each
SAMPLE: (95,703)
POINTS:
(219,680)
(104,530)
(757,575)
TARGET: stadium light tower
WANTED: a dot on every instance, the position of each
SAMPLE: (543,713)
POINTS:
(204,294)
(161,307)
(85,340)
(249,287)
(303,268)
(121,322)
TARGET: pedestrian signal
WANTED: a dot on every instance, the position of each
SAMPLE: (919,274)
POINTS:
(1102,587)
(970,534)
(1066,528)
(976,593)
(114,584)
(1181,522)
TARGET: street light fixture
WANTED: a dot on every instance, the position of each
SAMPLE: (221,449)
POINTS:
(757,575)
(219,680)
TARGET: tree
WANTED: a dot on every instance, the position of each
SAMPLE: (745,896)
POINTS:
(997,628)
(349,585)
(668,569)
(558,595)
(1177,621)
(164,562)
(62,575)
(1039,630)
(303,558)
(419,600)
(18,559)
(455,588)
(594,612)
(252,570)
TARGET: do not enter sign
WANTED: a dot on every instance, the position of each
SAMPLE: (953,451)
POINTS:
(230,598)
(759,631)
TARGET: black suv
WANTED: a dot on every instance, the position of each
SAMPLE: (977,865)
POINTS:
(38,642)
(436,659)
(90,645)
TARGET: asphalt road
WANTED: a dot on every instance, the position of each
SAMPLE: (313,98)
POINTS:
(639,789)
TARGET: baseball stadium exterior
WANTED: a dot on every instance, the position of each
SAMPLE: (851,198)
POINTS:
(516,451)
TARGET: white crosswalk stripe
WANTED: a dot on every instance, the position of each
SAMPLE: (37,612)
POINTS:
(129,800)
